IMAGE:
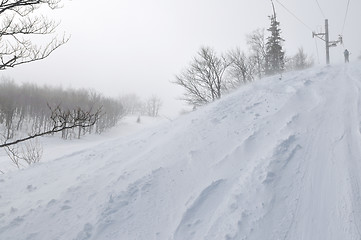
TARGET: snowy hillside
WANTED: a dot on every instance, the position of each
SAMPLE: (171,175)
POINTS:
(278,159)
(55,147)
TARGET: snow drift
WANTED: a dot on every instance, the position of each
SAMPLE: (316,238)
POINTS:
(278,159)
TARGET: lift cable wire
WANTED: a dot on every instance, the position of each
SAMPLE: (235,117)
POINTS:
(318,56)
(319,6)
(344,21)
(304,24)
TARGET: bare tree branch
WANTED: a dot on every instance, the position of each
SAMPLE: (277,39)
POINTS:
(19,25)
(25,7)
(13,154)
(31,154)
(63,120)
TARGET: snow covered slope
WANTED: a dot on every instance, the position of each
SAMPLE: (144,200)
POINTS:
(55,147)
(278,159)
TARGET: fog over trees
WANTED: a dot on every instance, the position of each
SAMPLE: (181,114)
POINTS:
(135,105)
(29,109)
(299,61)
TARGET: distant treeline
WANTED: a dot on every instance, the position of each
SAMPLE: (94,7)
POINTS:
(27,108)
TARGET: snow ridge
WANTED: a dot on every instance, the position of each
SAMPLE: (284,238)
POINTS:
(277,159)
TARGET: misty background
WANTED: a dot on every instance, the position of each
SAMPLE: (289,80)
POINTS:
(119,47)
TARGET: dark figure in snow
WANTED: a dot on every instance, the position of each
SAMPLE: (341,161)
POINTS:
(346,53)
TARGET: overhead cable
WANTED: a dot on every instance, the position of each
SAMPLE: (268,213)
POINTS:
(304,24)
(318,56)
(344,20)
(318,4)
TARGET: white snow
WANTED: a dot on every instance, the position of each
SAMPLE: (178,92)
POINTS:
(277,159)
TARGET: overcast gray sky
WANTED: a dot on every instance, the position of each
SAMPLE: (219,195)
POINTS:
(137,46)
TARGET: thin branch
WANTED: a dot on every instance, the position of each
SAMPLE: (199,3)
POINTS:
(19,24)
(63,120)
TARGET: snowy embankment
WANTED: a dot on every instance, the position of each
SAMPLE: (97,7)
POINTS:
(278,159)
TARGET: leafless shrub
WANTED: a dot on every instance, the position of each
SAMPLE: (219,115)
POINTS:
(30,152)
(153,105)
(14,155)
(33,152)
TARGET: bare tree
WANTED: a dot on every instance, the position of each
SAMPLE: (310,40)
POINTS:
(132,103)
(300,61)
(20,23)
(153,106)
(204,80)
(241,69)
(257,43)
(63,120)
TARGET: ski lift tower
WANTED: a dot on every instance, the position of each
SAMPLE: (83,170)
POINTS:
(325,37)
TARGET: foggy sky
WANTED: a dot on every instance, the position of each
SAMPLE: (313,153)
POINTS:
(137,46)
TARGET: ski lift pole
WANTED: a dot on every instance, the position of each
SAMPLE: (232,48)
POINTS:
(325,37)
(327,40)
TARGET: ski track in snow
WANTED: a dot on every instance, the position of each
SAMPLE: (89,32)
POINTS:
(277,159)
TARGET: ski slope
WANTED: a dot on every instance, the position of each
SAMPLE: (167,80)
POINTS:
(277,159)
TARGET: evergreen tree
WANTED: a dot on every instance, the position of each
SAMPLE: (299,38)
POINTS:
(275,56)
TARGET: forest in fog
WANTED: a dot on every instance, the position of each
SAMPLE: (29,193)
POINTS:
(27,109)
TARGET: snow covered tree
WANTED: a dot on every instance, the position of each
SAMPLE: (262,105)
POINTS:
(275,56)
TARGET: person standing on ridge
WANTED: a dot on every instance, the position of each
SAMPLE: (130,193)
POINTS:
(346,53)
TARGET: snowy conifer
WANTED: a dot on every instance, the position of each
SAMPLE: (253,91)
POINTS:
(275,56)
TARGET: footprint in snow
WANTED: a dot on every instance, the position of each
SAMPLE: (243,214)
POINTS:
(32,236)
(86,233)
(65,207)
(30,188)
(51,203)
(307,82)
(13,210)
(17,221)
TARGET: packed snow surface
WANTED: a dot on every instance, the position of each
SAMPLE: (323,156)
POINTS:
(277,159)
